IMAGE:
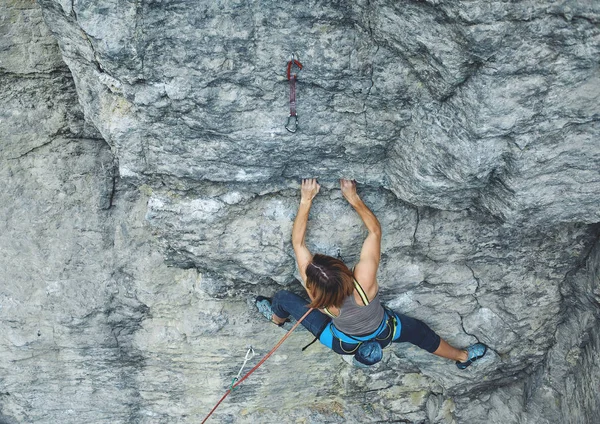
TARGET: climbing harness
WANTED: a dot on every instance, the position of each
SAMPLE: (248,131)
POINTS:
(292,122)
(331,335)
(233,386)
(249,355)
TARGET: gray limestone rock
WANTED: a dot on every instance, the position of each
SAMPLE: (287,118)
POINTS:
(150,189)
(491,108)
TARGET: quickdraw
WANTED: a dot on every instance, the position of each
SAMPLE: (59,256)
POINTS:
(249,355)
(292,122)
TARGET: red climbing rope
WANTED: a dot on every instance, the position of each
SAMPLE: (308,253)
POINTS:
(292,122)
(257,365)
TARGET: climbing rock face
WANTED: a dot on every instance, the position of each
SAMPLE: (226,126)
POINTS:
(150,190)
(452,106)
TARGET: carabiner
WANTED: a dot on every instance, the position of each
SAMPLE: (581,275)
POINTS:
(250,353)
(289,126)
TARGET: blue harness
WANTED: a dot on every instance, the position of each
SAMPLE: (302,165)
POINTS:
(331,335)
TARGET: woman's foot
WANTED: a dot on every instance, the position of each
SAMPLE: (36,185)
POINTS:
(263,304)
(474,352)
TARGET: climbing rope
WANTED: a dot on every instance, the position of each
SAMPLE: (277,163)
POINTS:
(292,122)
(233,386)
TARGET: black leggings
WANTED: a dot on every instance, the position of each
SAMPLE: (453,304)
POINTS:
(418,333)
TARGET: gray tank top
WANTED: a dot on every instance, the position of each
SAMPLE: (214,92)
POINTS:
(357,320)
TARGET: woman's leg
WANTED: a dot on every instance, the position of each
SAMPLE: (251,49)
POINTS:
(418,333)
(286,303)
(446,350)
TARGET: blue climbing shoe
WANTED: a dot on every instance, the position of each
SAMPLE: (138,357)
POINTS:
(476,351)
(263,304)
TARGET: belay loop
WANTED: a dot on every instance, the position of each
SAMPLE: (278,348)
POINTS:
(292,122)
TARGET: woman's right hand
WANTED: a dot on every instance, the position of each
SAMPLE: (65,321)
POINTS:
(349,189)
(309,190)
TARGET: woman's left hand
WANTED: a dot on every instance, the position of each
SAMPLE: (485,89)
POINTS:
(309,190)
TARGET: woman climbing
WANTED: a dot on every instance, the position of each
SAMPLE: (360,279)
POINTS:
(348,316)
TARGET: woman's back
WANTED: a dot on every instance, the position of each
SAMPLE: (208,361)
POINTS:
(359,319)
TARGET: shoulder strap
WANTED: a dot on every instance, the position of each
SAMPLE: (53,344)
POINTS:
(361,292)
(328,312)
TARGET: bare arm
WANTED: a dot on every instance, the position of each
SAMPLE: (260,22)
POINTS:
(310,188)
(365,270)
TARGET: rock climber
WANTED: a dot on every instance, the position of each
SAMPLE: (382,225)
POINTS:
(348,316)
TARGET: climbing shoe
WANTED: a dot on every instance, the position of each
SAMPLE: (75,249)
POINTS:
(475,351)
(263,304)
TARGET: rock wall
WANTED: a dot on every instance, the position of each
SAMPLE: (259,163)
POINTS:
(494,106)
(572,365)
(151,188)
